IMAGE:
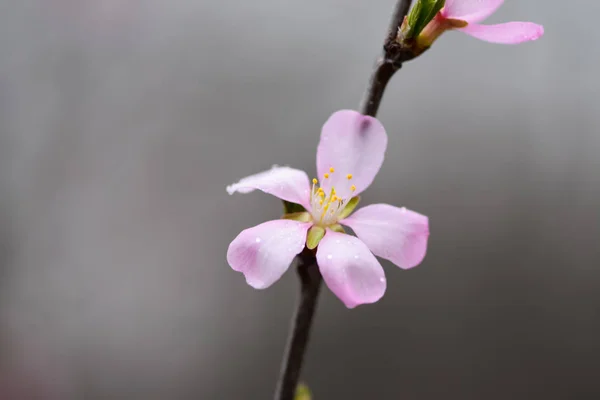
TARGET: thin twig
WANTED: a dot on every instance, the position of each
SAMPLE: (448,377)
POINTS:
(390,61)
(310,283)
(381,75)
(400,11)
(310,278)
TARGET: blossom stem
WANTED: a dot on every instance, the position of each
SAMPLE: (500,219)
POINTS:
(391,61)
(310,283)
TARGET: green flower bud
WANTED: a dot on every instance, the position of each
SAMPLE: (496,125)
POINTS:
(420,15)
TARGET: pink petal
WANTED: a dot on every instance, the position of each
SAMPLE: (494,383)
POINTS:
(470,10)
(350,269)
(283,182)
(393,233)
(263,253)
(508,33)
(351,143)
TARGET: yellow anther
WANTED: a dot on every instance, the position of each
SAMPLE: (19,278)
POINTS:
(326,207)
(315,181)
(334,198)
(321,202)
(320,190)
(353,188)
(325,175)
(322,194)
(349,176)
(331,170)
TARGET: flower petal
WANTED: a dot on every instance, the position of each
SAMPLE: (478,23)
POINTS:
(263,253)
(351,143)
(508,33)
(470,10)
(393,233)
(283,182)
(350,269)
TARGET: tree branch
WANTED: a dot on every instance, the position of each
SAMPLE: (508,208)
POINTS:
(400,11)
(390,61)
(310,283)
(310,278)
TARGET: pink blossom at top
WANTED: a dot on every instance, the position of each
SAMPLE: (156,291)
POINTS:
(349,155)
(468,13)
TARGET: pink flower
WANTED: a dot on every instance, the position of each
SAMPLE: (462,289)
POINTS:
(349,156)
(465,15)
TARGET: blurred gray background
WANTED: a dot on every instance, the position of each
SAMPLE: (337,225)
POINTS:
(122,121)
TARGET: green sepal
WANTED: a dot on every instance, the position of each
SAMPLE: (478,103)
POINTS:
(302,392)
(290,208)
(337,228)
(420,15)
(350,206)
(314,236)
(298,216)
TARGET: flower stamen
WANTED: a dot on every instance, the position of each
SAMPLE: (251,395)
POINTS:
(327,207)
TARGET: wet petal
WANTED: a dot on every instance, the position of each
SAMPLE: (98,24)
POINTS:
(508,33)
(470,10)
(393,233)
(350,270)
(263,253)
(283,182)
(351,143)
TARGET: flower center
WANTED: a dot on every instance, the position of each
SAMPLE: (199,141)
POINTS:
(327,207)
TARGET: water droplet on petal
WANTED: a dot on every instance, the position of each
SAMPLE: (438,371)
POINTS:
(329,256)
(382,280)
(258,240)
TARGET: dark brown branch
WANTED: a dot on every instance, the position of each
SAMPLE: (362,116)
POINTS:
(381,75)
(400,11)
(310,283)
(310,277)
(393,55)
